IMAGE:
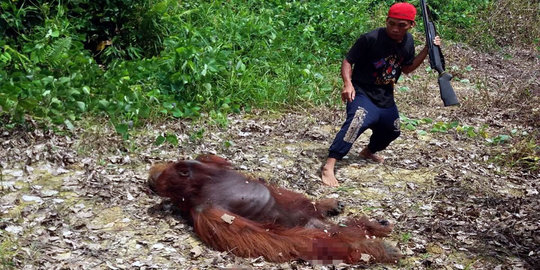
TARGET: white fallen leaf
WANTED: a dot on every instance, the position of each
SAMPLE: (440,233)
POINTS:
(365,257)
(114,159)
(84,214)
(59,171)
(14,229)
(109,264)
(48,193)
(62,256)
(197,251)
(409,251)
(7,184)
(333,196)
(30,198)
(244,134)
(228,218)
(158,246)
(14,173)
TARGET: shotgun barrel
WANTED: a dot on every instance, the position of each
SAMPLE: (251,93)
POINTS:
(436,60)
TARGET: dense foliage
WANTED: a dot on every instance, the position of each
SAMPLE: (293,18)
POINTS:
(128,60)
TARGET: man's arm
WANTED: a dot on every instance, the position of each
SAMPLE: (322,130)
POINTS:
(416,62)
(348,92)
(420,57)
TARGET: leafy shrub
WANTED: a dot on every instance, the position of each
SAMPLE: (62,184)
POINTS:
(129,60)
(132,28)
(45,71)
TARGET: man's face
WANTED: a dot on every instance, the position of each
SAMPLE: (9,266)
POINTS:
(396,28)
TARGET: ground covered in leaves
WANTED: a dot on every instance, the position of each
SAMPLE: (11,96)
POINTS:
(77,202)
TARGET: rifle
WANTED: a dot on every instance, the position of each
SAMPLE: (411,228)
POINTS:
(436,60)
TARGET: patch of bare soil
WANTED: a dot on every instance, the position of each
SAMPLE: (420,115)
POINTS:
(78,202)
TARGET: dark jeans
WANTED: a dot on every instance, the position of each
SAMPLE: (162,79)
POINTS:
(361,115)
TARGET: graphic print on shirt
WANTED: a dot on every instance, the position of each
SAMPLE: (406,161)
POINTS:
(356,124)
(387,70)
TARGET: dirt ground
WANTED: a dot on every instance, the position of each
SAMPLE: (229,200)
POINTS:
(77,202)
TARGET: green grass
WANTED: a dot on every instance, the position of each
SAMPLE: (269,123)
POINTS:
(7,253)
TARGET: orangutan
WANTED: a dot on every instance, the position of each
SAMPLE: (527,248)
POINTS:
(250,218)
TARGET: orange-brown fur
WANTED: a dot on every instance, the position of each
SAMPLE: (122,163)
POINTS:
(249,218)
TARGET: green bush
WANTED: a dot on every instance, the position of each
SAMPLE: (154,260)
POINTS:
(456,17)
(132,28)
(46,73)
(128,60)
(49,74)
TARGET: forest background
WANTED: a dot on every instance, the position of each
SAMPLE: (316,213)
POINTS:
(129,61)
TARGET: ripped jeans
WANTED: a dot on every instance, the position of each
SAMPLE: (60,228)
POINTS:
(361,115)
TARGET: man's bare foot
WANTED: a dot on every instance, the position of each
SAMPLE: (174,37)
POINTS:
(327,173)
(366,154)
(328,177)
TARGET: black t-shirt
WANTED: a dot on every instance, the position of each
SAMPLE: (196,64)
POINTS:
(377,61)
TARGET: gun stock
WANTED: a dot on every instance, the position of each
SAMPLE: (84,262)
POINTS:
(447,92)
(436,60)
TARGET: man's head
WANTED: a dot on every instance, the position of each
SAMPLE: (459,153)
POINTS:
(400,19)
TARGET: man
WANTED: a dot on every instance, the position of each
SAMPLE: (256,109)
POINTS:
(379,57)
